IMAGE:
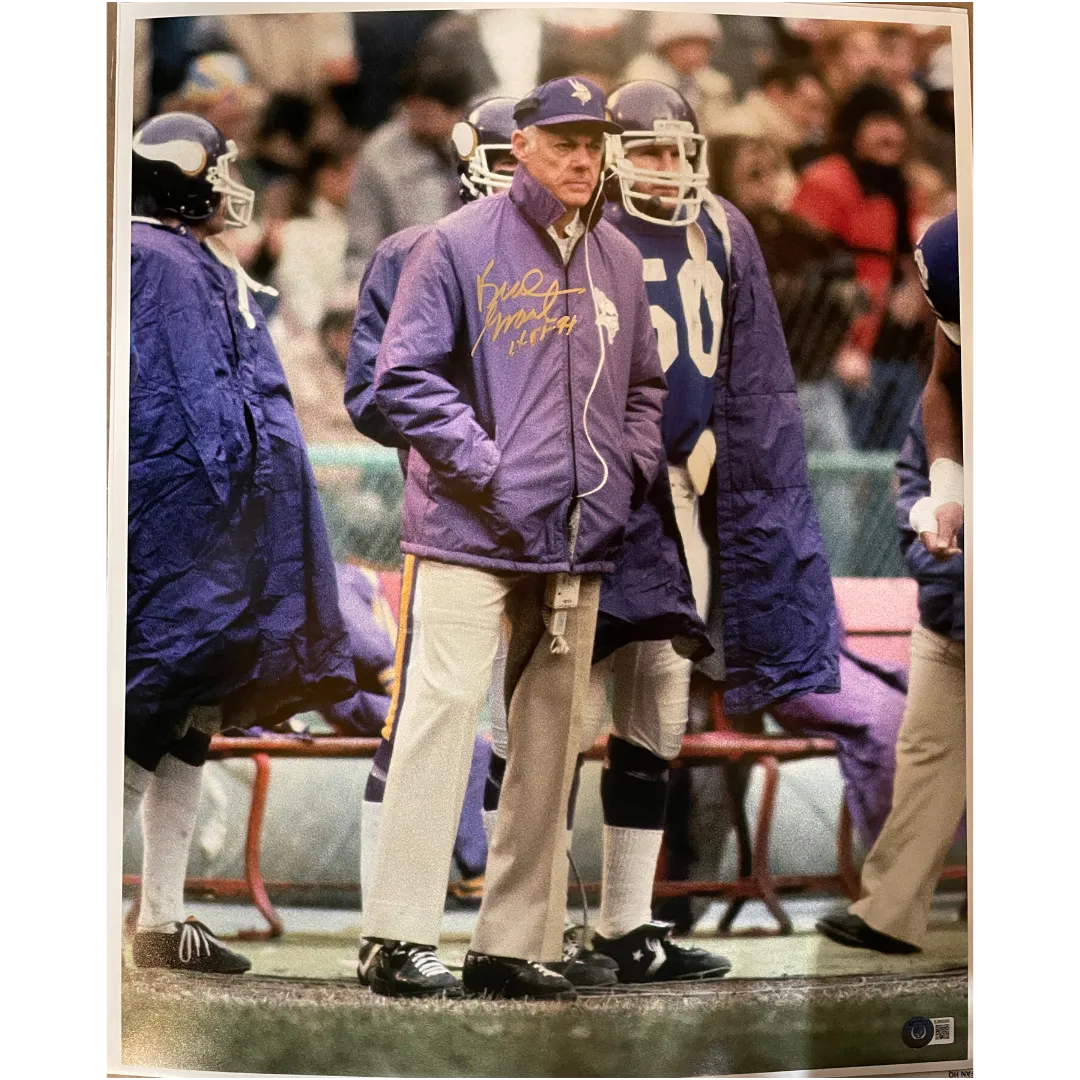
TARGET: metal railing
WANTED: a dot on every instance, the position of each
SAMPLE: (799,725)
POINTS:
(361,490)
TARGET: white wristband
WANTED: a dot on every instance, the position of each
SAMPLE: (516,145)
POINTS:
(946,486)
(947,481)
(923,516)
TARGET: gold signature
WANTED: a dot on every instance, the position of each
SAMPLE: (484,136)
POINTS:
(490,295)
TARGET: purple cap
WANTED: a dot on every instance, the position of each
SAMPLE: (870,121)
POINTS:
(566,101)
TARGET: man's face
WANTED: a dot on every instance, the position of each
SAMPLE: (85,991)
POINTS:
(657,157)
(565,159)
(881,140)
(429,120)
(502,161)
(807,106)
(687,55)
(754,177)
(860,56)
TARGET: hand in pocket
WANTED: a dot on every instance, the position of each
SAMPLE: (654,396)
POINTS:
(497,509)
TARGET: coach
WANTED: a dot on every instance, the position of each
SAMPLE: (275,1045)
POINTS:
(519,364)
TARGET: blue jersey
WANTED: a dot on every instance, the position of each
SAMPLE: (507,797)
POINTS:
(938,259)
(687,296)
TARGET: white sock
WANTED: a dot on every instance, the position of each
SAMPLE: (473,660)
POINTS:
(489,818)
(630,857)
(370,821)
(136,781)
(168,812)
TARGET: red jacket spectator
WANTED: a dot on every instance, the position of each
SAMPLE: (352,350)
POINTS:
(859,196)
(831,198)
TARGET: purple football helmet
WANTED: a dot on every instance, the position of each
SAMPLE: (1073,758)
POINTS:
(481,142)
(181,167)
(651,113)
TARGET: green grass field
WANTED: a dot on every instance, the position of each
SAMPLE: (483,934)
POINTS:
(277,1019)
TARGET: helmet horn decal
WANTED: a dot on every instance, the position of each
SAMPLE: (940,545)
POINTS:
(185,154)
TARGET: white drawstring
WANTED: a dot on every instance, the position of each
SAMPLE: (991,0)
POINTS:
(599,319)
(244,281)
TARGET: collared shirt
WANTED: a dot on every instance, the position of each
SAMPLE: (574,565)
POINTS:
(574,231)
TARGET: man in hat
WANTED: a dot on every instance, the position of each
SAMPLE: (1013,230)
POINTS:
(519,364)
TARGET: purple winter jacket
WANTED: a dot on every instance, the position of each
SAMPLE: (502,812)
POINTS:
(489,357)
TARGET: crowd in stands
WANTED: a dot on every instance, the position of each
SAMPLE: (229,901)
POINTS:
(835,138)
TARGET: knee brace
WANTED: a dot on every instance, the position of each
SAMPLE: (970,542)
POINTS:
(193,748)
(380,765)
(493,784)
(633,786)
(143,752)
(143,743)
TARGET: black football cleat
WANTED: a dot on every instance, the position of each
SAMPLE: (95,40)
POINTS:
(403,969)
(190,947)
(518,980)
(648,954)
(583,967)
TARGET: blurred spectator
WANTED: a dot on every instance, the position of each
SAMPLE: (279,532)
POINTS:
(174,43)
(455,43)
(747,171)
(144,67)
(386,42)
(314,306)
(512,40)
(583,59)
(299,54)
(315,367)
(309,54)
(897,64)
(859,195)
(680,44)
(813,280)
(278,154)
(218,88)
(405,174)
(747,46)
(790,110)
(311,256)
(933,132)
(847,53)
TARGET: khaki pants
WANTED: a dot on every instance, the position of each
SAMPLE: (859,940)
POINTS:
(457,614)
(929,792)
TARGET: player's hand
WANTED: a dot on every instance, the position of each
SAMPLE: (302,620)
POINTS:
(852,368)
(943,544)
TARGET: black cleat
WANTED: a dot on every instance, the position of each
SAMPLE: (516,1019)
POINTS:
(521,980)
(851,930)
(190,947)
(583,967)
(648,955)
(402,969)
(587,970)
(368,950)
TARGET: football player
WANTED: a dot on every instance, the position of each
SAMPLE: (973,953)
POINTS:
(938,517)
(739,483)
(902,869)
(232,604)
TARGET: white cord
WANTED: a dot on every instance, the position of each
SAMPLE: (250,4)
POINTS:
(603,353)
